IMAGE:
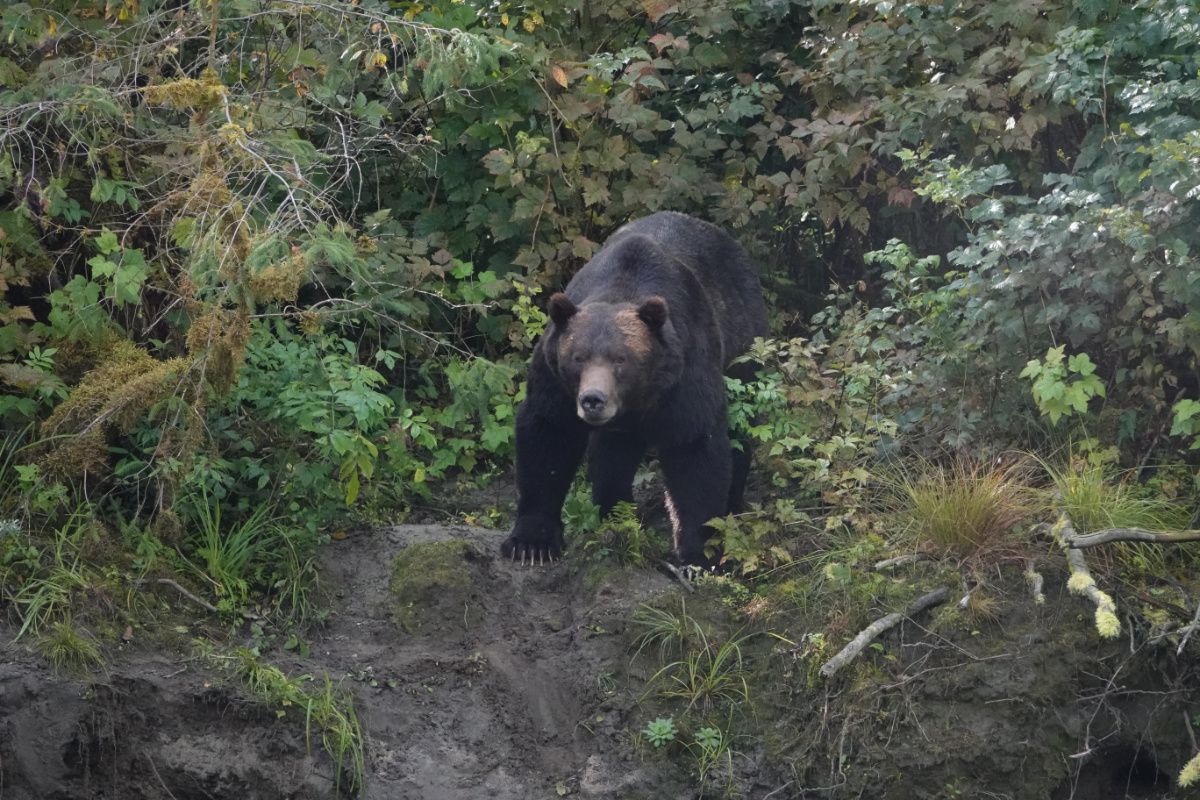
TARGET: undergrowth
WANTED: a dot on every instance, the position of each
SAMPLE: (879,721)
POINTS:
(1097,496)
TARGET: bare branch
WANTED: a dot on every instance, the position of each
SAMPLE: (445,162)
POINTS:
(1096,538)
(1082,582)
(900,561)
(878,627)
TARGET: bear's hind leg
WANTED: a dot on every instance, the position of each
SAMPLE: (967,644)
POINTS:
(698,479)
(613,459)
(740,458)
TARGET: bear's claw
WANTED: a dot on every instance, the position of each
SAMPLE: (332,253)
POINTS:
(530,554)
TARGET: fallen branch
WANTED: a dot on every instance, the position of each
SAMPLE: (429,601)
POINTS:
(1096,538)
(197,600)
(900,561)
(678,575)
(879,626)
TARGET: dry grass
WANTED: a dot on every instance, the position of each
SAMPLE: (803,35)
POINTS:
(967,509)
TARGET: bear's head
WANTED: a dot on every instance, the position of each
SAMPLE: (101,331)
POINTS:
(613,357)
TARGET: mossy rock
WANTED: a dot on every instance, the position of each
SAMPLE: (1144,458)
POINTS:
(433,584)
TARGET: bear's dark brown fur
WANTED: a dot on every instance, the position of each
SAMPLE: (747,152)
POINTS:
(635,357)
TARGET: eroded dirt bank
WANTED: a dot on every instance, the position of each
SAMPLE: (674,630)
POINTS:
(510,694)
(517,683)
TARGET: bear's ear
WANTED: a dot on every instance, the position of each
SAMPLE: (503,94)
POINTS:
(561,309)
(653,312)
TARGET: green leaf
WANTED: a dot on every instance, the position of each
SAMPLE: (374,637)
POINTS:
(107,242)
(1081,364)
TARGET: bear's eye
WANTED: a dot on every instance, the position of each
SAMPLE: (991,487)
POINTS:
(578,359)
(619,360)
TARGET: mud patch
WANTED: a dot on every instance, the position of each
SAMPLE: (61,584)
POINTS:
(472,678)
(504,696)
(155,729)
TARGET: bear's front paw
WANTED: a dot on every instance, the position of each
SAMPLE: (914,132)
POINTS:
(534,541)
(693,560)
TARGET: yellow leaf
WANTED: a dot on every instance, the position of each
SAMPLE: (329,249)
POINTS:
(504,20)
(528,24)
(18,313)
(51,26)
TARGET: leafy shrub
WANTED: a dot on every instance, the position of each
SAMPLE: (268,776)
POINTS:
(1063,389)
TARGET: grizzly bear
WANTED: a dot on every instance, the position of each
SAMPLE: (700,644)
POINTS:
(634,358)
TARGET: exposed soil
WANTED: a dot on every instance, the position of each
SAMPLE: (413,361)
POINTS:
(511,695)
(512,682)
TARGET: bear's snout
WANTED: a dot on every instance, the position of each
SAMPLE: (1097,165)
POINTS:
(596,402)
(593,402)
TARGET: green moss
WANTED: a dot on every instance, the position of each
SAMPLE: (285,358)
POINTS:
(433,583)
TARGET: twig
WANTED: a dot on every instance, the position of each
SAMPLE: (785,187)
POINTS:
(1190,629)
(679,576)
(197,600)
(1129,535)
(161,782)
(879,626)
(900,561)
(1036,582)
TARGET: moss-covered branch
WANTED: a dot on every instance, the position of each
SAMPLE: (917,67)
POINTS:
(1097,538)
(878,627)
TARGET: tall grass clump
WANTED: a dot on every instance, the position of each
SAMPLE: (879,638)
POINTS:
(1096,497)
(69,649)
(325,708)
(967,508)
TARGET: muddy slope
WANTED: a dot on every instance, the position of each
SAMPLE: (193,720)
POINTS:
(494,680)
(507,695)
(506,691)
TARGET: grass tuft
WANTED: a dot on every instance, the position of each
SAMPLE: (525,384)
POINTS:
(712,675)
(968,509)
(69,649)
(672,633)
(54,573)
(1095,498)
